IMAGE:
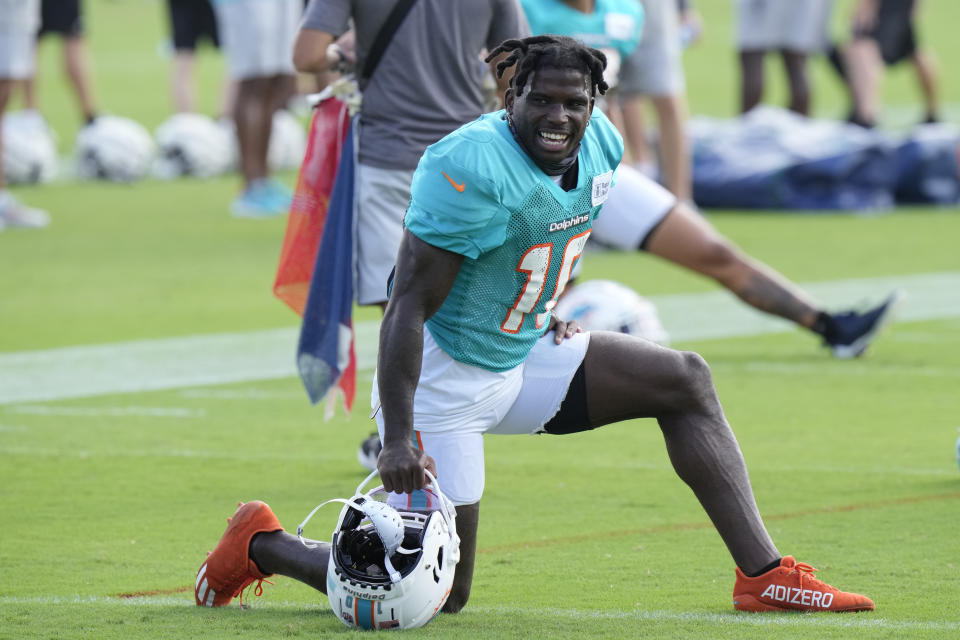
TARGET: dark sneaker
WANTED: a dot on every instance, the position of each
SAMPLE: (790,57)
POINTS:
(849,334)
(792,587)
(369,451)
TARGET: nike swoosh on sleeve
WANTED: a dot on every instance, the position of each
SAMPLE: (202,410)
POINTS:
(459,187)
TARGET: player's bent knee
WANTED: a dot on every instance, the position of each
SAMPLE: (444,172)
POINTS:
(696,378)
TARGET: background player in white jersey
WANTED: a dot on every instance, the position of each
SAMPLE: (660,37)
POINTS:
(642,215)
(499,213)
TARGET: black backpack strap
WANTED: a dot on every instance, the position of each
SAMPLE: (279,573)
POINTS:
(390,26)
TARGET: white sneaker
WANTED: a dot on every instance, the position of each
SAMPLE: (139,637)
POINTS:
(14,213)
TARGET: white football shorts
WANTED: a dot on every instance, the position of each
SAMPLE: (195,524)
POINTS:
(634,208)
(456,404)
(257,36)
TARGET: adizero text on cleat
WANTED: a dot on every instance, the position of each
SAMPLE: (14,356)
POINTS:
(792,587)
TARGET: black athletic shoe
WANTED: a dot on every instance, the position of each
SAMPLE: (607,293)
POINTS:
(849,334)
(369,451)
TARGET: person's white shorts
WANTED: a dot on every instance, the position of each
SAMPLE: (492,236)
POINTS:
(634,208)
(456,404)
(773,25)
(16,55)
(381,197)
(19,22)
(655,68)
(257,36)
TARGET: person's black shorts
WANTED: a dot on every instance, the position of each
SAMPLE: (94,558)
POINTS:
(192,21)
(62,17)
(894,31)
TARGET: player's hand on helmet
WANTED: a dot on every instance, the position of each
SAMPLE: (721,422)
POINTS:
(563,329)
(401,468)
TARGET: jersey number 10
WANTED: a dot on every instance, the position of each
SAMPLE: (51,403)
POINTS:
(535,262)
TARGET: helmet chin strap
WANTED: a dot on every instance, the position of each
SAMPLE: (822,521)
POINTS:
(317,508)
(372,509)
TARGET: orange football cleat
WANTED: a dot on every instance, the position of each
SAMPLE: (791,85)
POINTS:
(792,587)
(228,568)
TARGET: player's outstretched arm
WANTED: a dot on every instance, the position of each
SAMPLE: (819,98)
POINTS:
(423,278)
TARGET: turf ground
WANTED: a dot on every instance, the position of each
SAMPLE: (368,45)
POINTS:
(146,385)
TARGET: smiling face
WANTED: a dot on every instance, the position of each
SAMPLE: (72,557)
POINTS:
(552,113)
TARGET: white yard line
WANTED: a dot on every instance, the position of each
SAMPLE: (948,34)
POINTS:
(95,412)
(863,622)
(205,360)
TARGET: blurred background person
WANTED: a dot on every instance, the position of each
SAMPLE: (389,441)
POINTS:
(428,82)
(257,38)
(654,72)
(191,22)
(64,18)
(19,21)
(884,34)
(788,27)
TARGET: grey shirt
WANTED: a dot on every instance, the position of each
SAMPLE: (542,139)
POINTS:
(428,81)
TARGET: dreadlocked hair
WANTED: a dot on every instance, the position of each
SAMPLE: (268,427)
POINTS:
(560,52)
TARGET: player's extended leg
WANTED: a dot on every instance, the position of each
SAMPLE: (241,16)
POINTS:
(686,238)
(255,547)
(282,553)
(631,378)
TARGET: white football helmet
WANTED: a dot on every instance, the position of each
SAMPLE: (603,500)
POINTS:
(391,564)
(288,141)
(114,148)
(192,144)
(604,305)
(29,148)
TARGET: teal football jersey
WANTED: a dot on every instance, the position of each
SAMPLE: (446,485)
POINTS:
(614,26)
(477,193)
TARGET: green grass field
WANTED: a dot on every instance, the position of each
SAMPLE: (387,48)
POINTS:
(124,444)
